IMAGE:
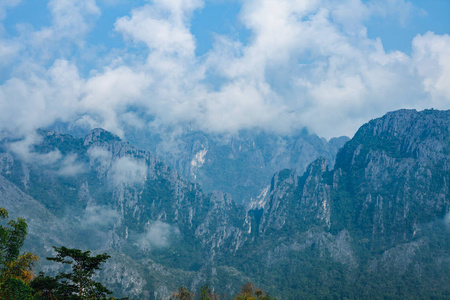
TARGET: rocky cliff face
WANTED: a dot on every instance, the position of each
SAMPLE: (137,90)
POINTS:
(103,194)
(381,209)
(240,164)
(393,174)
(381,215)
(295,202)
(397,171)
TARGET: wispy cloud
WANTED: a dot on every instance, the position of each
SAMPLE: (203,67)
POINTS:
(100,156)
(70,167)
(127,170)
(99,216)
(24,150)
(432,61)
(5,4)
(158,235)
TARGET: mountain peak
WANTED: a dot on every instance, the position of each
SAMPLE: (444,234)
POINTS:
(404,133)
(100,135)
(318,166)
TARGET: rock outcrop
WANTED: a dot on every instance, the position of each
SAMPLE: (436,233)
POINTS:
(382,209)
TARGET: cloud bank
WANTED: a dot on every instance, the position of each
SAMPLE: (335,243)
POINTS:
(158,235)
(306,63)
(99,216)
(67,166)
(128,171)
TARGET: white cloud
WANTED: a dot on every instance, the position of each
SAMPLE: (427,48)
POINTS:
(400,9)
(70,16)
(351,15)
(100,160)
(127,170)
(133,120)
(150,25)
(63,165)
(8,51)
(95,216)
(71,21)
(240,105)
(158,235)
(5,4)
(107,94)
(23,149)
(100,155)
(313,61)
(431,57)
(306,63)
(69,166)
(40,96)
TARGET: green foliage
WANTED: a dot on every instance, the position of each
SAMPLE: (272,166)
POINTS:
(45,286)
(207,294)
(15,289)
(15,269)
(63,143)
(20,268)
(182,294)
(281,259)
(77,284)
(12,238)
(249,292)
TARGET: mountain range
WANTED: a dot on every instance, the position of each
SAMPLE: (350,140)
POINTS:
(362,218)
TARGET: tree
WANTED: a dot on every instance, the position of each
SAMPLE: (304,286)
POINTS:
(15,270)
(15,289)
(77,284)
(182,294)
(249,292)
(45,286)
(207,294)
(17,281)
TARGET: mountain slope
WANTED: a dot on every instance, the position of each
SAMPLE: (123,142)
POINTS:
(106,195)
(239,164)
(377,225)
(377,219)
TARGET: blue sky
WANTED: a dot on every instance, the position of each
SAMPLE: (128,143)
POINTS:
(220,66)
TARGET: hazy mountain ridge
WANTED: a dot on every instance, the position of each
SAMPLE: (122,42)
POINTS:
(380,211)
(400,161)
(239,164)
(106,195)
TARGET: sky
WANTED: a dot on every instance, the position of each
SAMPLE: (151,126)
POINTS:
(220,66)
